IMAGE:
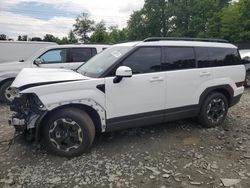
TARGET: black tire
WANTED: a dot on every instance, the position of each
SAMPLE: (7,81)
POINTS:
(3,89)
(247,82)
(208,112)
(81,120)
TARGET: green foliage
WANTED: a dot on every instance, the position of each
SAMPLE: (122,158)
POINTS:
(83,27)
(178,18)
(225,19)
(3,37)
(49,38)
(36,39)
(100,35)
(72,38)
(22,38)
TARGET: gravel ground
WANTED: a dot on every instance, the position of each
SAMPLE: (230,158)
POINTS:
(177,154)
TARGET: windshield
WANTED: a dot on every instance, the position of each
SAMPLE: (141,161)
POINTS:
(97,65)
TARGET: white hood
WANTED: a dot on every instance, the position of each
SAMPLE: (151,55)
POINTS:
(35,76)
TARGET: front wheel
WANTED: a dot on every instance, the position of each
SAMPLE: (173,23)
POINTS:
(214,110)
(69,132)
(6,95)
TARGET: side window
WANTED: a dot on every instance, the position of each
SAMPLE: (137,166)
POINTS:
(177,58)
(202,57)
(54,56)
(144,60)
(81,54)
(224,57)
(217,57)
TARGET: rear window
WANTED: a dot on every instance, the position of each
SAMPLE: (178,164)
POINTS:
(82,54)
(214,57)
(177,58)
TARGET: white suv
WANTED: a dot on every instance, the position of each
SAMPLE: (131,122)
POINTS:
(55,56)
(128,85)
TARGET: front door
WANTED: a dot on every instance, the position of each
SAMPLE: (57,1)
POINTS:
(141,98)
(56,58)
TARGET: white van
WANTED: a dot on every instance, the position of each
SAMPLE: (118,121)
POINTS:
(57,56)
(20,50)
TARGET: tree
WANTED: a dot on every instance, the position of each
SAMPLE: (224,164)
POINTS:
(83,27)
(49,38)
(232,22)
(3,37)
(116,35)
(137,28)
(100,35)
(36,39)
(22,38)
(72,38)
(19,38)
(180,18)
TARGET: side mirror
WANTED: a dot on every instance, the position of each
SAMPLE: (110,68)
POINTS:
(38,62)
(246,58)
(122,72)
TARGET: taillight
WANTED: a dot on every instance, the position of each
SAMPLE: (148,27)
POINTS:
(240,84)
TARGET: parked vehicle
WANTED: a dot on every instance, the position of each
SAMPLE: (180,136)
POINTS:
(245,55)
(128,85)
(59,56)
(20,50)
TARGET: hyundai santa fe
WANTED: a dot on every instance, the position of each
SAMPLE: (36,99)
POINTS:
(128,85)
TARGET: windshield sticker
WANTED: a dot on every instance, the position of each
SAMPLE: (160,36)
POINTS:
(116,54)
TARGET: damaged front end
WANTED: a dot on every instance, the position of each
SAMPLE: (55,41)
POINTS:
(28,111)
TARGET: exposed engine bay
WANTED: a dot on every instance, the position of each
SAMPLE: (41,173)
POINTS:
(28,111)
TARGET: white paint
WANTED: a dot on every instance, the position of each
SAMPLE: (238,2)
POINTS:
(13,51)
(11,69)
(138,94)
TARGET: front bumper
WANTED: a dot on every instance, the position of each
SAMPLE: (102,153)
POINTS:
(19,124)
(27,113)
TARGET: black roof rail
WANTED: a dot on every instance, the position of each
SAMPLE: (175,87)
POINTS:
(151,39)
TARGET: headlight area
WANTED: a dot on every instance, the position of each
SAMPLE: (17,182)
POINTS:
(27,110)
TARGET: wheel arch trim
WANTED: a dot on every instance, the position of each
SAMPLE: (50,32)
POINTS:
(227,90)
(81,104)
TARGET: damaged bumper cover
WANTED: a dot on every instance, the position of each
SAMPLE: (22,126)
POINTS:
(28,111)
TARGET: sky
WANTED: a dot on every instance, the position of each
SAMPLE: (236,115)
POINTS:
(36,18)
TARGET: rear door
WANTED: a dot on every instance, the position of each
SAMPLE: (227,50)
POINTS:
(78,56)
(184,81)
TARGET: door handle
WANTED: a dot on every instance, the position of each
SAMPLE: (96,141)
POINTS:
(156,79)
(205,73)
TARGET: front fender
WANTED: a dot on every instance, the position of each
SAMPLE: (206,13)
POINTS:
(77,92)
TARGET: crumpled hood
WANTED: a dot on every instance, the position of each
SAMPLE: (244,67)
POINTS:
(43,76)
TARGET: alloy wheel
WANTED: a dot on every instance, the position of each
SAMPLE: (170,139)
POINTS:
(65,134)
(216,110)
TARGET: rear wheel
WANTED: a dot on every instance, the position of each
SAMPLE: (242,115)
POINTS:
(5,92)
(214,110)
(69,132)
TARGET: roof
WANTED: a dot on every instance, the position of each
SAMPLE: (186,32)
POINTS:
(188,44)
(77,46)
(179,43)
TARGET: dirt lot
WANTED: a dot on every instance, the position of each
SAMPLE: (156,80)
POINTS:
(177,154)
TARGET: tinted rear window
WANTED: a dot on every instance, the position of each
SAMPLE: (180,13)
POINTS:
(177,58)
(214,57)
(82,54)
